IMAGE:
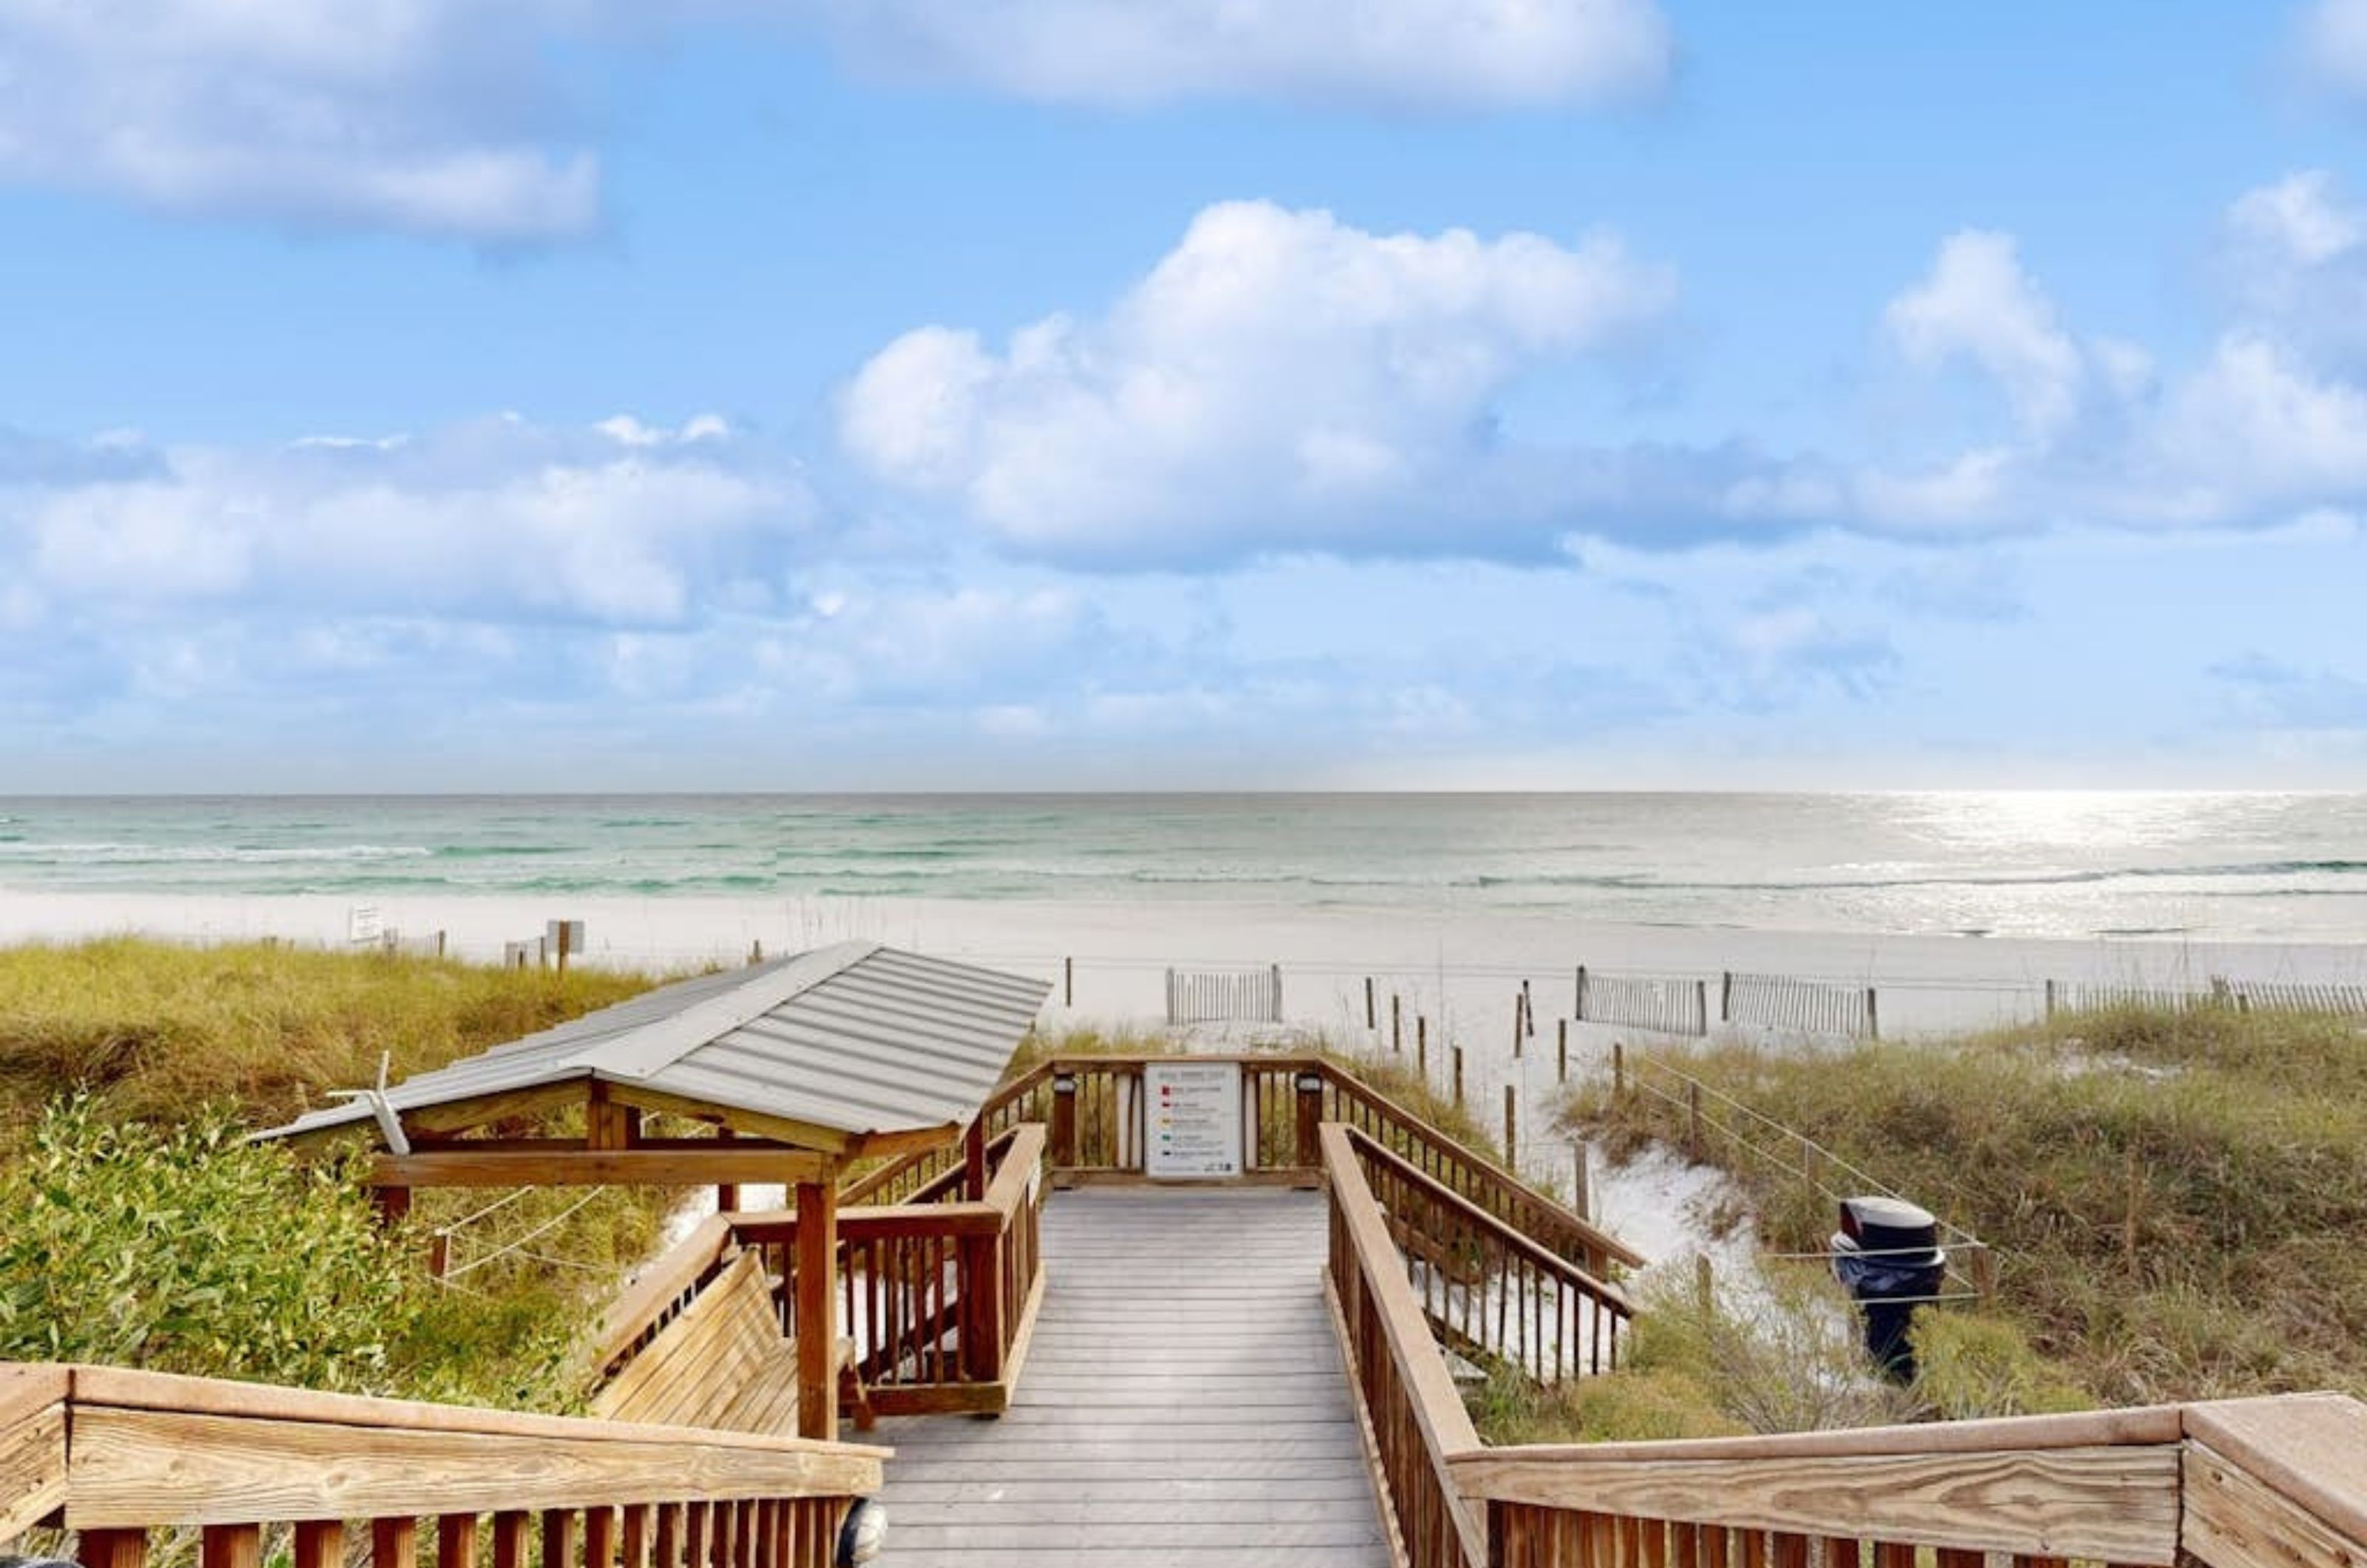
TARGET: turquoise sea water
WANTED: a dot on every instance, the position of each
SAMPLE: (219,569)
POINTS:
(2231,867)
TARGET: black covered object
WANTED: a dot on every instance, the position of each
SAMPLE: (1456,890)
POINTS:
(1886,1256)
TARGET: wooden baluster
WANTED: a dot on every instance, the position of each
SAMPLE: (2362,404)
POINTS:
(394,1543)
(1894,1555)
(1957,1557)
(232,1546)
(112,1548)
(697,1538)
(671,1530)
(510,1527)
(558,1537)
(318,1543)
(456,1541)
(1652,1538)
(1788,1551)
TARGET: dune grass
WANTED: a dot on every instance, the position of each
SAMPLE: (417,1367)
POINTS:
(2179,1200)
(137,1226)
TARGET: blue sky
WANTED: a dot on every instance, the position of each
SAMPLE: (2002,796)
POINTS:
(1030,393)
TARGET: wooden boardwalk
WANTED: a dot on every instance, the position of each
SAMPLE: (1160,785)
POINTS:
(1183,1404)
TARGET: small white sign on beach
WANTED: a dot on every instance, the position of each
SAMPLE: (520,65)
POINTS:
(1191,1120)
(365,923)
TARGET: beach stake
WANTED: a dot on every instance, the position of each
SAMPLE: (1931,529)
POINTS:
(1561,1050)
(2050,998)
(1512,1132)
(1371,1022)
(756,953)
(1705,1286)
(1516,1029)
(1397,1025)
(1580,1198)
(1726,996)
(1458,1077)
(1618,1069)
(1068,985)
(1873,1019)
(1528,1010)
(1577,1001)
(1421,1048)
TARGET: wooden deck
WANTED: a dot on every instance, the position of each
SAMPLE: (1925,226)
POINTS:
(1184,1404)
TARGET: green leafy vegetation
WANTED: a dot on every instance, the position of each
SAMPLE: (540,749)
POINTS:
(138,1228)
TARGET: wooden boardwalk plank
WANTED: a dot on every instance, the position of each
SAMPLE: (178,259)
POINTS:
(1183,1404)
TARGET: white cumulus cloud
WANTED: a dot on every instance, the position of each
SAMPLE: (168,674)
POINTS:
(423,116)
(1279,380)
(1424,53)
(2331,46)
(1979,304)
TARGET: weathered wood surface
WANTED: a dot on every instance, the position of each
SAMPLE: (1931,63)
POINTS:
(2310,1450)
(1184,1404)
(32,1445)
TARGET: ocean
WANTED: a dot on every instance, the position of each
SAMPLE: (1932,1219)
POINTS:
(2215,867)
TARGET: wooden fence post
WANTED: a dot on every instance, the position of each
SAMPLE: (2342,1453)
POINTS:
(1371,1020)
(1309,1086)
(1873,1019)
(1396,1024)
(1581,1199)
(1063,1136)
(1578,996)
(1726,996)
(1068,983)
(1705,1283)
(1561,1050)
(1516,1028)
(1701,1007)
(1458,1077)
(1694,1116)
(1421,1048)
(1618,1069)
(1528,1009)
(1511,1131)
(2050,998)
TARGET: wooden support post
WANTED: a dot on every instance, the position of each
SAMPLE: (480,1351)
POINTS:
(2050,998)
(1561,1050)
(1458,1076)
(566,929)
(980,1283)
(1308,1088)
(1517,1026)
(392,1203)
(1726,996)
(1704,1284)
(817,1317)
(1578,996)
(1983,1266)
(1528,1010)
(1701,1007)
(1063,1136)
(1396,1024)
(756,953)
(1581,1199)
(439,1255)
(1511,1131)
(1372,1019)
(1873,1019)
(111,1548)
(974,1160)
(1421,1048)
(1067,982)
(1618,1069)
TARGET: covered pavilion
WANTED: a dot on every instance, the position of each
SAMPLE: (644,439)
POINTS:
(801,1065)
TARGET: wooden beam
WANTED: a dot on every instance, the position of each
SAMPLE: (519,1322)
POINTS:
(798,1134)
(32,1466)
(596,1167)
(2237,1519)
(817,1304)
(133,1467)
(2115,1504)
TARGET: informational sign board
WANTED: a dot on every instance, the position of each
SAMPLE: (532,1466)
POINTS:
(1192,1119)
(364,923)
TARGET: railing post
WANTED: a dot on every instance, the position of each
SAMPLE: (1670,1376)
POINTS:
(980,1284)
(1309,1086)
(1064,1120)
(816,1310)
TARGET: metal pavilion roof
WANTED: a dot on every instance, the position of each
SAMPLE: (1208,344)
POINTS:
(857,1038)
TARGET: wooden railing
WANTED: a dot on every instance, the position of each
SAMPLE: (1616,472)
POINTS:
(1093,1108)
(937,1296)
(1486,1288)
(114,1455)
(2241,1484)
(1412,1411)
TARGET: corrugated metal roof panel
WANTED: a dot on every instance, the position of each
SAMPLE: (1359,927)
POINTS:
(857,1038)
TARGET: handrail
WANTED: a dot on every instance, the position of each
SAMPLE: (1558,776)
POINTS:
(1486,1183)
(113,1453)
(661,1292)
(2236,1483)
(1521,1305)
(1411,1409)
